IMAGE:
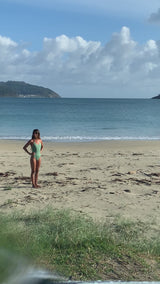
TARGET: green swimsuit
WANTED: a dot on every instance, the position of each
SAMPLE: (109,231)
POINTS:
(36,148)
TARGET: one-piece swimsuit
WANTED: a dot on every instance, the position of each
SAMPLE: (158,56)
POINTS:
(36,148)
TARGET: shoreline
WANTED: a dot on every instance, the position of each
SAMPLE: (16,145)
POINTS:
(85,142)
(111,144)
(149,139)
(104,179)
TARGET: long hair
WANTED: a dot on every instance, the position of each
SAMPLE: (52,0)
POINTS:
(36,130)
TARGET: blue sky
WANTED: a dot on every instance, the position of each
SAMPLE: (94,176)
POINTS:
(82,48)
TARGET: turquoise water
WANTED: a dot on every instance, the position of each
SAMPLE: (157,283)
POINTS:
(80,119)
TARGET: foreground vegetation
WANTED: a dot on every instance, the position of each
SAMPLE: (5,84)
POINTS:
(77,248)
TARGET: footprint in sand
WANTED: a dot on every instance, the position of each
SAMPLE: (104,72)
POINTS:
(127,190)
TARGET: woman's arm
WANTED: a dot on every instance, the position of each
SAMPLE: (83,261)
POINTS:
(26,146)
(41,146)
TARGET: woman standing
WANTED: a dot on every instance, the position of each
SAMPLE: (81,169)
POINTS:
(36,147)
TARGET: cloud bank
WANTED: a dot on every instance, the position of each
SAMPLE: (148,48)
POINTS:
(121,67)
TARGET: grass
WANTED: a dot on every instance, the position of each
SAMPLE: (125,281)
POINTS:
(78,248)
(8,187)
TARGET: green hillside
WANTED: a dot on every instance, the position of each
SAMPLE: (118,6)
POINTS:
(22,89)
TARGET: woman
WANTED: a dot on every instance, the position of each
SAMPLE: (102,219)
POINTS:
(37,147)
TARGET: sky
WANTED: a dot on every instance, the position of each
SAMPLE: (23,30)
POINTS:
(82,48)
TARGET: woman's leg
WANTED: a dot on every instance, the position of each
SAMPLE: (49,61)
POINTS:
(33,171)
(38,163)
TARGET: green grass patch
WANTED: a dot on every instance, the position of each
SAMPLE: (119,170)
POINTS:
(78,248)
(8,187)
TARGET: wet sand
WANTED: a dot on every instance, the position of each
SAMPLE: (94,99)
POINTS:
(101,179)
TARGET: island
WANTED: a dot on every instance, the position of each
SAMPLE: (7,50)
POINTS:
(156,97)
(24,90)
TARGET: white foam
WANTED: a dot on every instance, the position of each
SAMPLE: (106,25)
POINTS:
(96,138)
(81,138)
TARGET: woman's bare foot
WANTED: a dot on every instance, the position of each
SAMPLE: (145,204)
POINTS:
(37,186)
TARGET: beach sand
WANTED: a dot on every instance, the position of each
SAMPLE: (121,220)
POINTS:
(104,180)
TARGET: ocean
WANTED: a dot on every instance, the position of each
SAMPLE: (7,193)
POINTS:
(79,119)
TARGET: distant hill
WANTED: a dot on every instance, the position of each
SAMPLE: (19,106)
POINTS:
(156,97)
(24,90)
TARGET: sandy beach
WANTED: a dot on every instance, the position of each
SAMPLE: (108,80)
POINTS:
(102,179)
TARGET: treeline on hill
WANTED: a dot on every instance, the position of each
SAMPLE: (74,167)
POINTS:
(22,89)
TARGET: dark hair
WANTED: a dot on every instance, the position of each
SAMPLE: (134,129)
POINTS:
(36,130)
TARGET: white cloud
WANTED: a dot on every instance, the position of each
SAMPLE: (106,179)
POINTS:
(121,67)
(7,42)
